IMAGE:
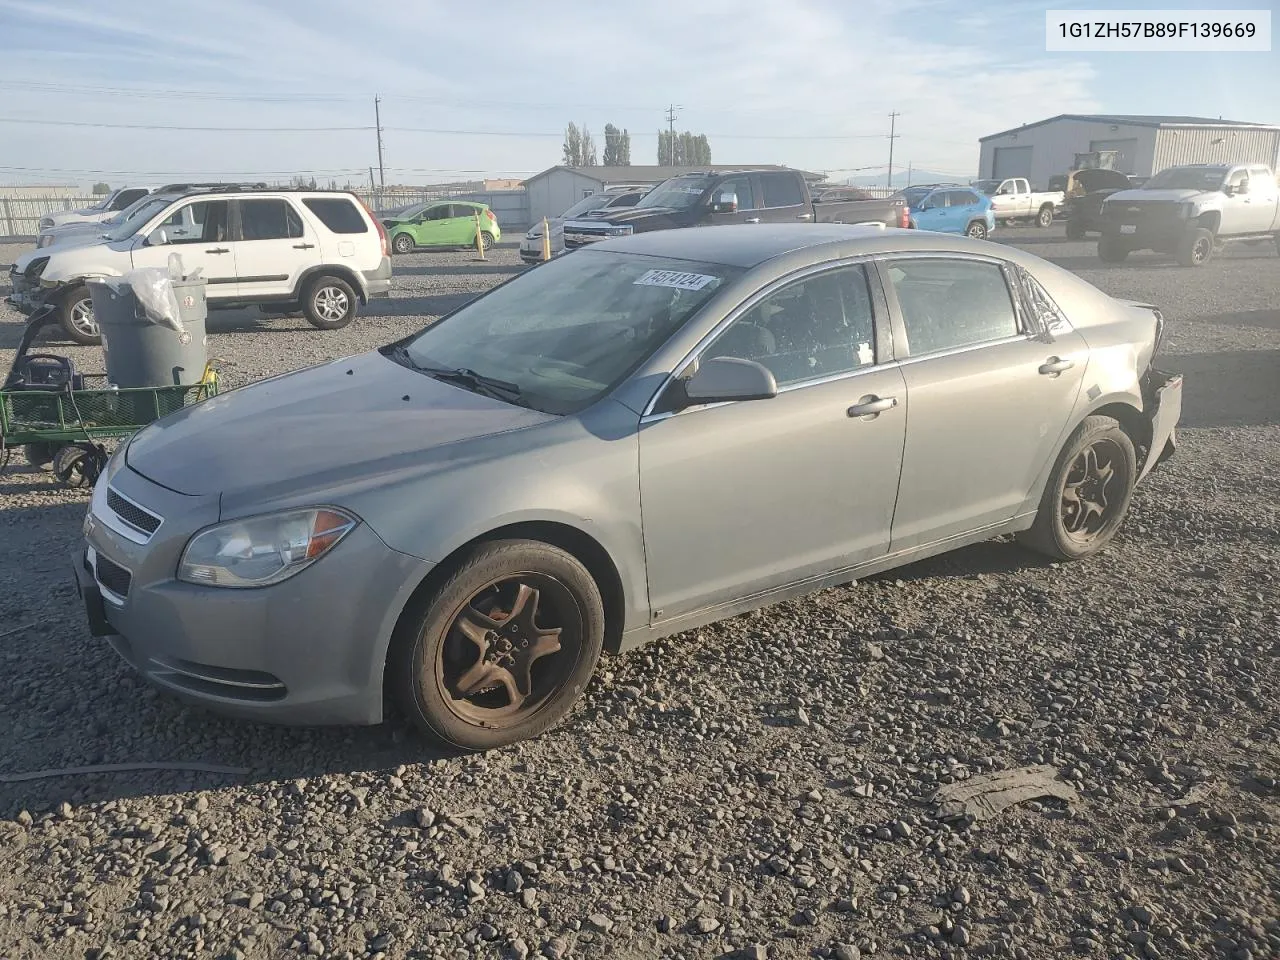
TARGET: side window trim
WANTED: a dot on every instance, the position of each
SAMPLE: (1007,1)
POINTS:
(900,343)
(880,320)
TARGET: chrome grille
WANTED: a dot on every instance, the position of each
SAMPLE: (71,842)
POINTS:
(130,513)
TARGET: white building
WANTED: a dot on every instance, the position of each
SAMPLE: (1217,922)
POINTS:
(1143,145)
(554,191)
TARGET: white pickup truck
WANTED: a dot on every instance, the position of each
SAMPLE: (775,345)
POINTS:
(1013,199)
(1191,211)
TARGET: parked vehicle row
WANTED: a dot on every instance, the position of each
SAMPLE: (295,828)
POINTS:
(1191,211)
(950,208)
(321,252)
(1013,199)
(443,224)
(456,521)
(616,197)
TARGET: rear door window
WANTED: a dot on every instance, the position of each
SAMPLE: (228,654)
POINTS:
(269,219)
(947,304)
(781,190)
(339,214)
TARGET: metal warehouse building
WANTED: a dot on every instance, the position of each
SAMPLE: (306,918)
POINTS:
(1143,145)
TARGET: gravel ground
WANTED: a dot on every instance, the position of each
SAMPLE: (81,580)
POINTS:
(758,788)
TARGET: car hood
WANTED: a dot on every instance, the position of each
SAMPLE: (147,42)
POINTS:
(73,260)
(77,216)
(1139,198)
(646,217)
(346,420)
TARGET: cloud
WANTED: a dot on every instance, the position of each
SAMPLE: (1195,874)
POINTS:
(761,76)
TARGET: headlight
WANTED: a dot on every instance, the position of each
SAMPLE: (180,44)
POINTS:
(625,230)
(534,233)
(45,223)
(43,241)
(36,267)
(260,551)
(1186,210)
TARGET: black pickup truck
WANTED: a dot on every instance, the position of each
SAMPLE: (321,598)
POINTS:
(737,196)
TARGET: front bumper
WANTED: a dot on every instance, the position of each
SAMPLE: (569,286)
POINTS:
(1163,397)
(27,295)
(309,650)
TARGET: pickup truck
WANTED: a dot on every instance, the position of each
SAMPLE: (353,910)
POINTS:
(738,196)
(1191,211)
(1013,199)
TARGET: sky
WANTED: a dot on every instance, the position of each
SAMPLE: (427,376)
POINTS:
(93,91)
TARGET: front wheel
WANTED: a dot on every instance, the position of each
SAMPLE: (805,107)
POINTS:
(403,243)
(1195,248)
(500,651)
(330,303)
(1045,216)
(1088,493)
(977,230)
(1111,249)
(75,314)
(1075,230)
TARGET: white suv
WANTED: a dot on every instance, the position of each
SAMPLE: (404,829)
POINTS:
(318,251)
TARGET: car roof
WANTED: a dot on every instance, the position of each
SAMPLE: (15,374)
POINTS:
(747,245)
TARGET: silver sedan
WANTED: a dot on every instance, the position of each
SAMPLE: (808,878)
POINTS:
(656,433)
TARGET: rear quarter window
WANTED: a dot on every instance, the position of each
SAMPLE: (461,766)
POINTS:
(339,214)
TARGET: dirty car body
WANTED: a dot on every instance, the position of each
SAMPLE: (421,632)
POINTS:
(897,417)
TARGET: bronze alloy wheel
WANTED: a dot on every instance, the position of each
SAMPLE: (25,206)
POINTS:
(1094,487)
(509,650)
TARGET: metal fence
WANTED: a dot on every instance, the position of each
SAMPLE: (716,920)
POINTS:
(20,217)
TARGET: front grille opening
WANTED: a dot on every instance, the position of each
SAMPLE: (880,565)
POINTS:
(132,514)
(113,577)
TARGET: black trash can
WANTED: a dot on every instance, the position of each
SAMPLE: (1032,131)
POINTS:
(142,353)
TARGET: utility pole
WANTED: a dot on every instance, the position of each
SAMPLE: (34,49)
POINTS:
(908,173)
(377,119)
(671,133)
(893,126)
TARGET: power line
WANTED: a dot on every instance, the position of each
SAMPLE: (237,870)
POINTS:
(169,126)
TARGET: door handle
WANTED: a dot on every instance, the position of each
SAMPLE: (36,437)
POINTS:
(304,246)
(218,250)
(752,220)
(1054,366)
(804,216)
(872,406)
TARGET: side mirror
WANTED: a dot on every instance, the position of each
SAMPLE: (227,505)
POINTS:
(724,203)
(1243,188)
(722,379)
(158,238)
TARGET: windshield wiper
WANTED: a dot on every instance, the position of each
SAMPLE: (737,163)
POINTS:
(465,377)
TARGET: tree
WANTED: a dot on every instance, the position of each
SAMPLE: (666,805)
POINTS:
(588,155)
(683,149)
(100,189)
(572,151)
(617,147)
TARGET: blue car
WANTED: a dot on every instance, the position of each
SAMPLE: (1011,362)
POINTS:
(950,209)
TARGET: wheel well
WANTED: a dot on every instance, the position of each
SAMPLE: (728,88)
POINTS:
(1210,221)
(573,541)
(345,273)
(1133,423)
(1045,206)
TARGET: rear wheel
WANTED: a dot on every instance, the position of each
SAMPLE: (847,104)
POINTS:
(501,650)
(330,303)
(1111,249)
(76,465)
(402,243)
(39,454)
(75,313)
(977,230)
(1045,216)
(1088,493)
(486,239)
(1195,248)
(1075,230)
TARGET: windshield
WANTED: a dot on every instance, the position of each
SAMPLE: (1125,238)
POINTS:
(127,212)
(137,215)
(913,195)
(415,210)
(678,192)
(571,329)
(593,202)
(1187,178)
(987,186)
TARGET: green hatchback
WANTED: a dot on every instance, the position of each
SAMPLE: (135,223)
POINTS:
(442,223)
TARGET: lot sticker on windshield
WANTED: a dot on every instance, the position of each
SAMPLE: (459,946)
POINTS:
(674,278)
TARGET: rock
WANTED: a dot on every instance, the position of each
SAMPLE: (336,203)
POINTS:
(705,925)
(961,895)
(757,951)
(424,818)
(960,936)
(514,881)
(846,951)
(518,949)
(528,898)
(802,718)
(600,923)
(555,948)
(664,924)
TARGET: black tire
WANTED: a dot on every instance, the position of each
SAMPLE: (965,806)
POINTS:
(977,230)
(431,655)
(1111,249)
(1045,216)
(75,314)
(402,243)
(1195,248)
(39,454)
(486,240)
(1075,230)
(1085,501)
(76,465)
(330,303)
